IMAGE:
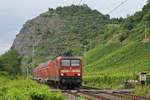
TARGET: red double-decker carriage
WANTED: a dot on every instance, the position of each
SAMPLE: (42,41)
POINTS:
(65,72)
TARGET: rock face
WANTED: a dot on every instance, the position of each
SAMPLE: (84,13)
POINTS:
(61,30)
(37,34)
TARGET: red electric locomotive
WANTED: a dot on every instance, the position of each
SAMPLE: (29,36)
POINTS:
(66,72)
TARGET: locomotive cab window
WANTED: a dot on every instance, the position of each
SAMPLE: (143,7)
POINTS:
(75,62)
(65,62)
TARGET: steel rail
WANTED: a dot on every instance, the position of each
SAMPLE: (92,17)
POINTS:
(95,96)
(135,96)
(77,95)
(120,94)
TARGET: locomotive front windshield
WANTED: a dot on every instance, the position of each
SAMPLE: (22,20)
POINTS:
(65,62)
(72,63)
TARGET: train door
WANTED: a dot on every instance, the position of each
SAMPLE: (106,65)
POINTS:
(48,71)
(51,71)
(55,70)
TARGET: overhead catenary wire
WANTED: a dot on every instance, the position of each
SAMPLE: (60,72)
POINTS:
(117,6)
(80,2)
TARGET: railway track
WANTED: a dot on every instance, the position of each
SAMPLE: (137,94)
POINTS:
(78,95)
(121,94)
(135,97)
(88,96)
(97,94)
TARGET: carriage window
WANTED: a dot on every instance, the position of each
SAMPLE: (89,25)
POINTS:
(75,62)
(65,62)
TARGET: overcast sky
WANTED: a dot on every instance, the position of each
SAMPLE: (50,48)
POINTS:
(14,13)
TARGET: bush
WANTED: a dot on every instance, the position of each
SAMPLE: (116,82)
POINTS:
(123,36)
(26,90)
(142,91)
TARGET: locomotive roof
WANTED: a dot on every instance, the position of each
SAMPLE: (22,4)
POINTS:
(65,57)
(69,57)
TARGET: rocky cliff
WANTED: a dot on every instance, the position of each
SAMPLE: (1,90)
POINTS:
(62,30)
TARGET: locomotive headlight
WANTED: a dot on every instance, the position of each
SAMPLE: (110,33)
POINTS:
(62,74)
(79,74)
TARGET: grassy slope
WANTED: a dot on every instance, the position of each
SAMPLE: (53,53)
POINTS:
(111,64)
(112,59)
(99,52)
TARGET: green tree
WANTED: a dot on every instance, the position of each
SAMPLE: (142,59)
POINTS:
(11,62)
